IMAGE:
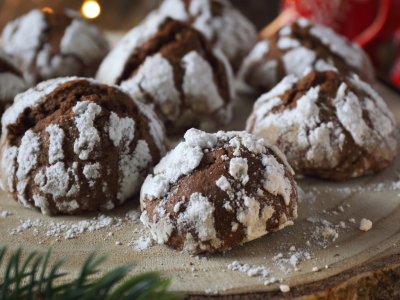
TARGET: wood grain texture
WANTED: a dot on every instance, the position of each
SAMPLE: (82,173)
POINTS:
(379,279)
(361,265)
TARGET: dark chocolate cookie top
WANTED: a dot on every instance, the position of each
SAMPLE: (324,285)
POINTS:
(72,145)
(215,191)
(170,65)
(223,25)
(327,124)
(298,48)
(49,45)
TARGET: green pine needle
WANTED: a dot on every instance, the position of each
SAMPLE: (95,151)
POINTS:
(34,279)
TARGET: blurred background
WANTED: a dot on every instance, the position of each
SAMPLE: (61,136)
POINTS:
(124,14)
(348,17)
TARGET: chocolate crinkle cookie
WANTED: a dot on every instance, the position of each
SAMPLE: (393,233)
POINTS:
(215,191)
(219,21)
(173,67)
(298,48)
(11,81)
(327,124)
(50,45)
(71,145)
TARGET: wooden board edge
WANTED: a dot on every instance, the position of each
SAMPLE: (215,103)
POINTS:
(379,279)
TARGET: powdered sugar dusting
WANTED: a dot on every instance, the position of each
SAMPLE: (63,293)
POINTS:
(28,153)
(198,84)
(250,271)
(32,98)
(322,142)
(131,166)
(299,57)
(286,84)
(298,60)
(92,171)
(349,52)
(287,43)
(199,215)
(120,129)
(57,135)
(57,180)
(84,41)
(22,37)
(157,130)
(113,65)
(184,159)
(143,243)
(71,230)
(322,65)
(62,178)
(275,181)
(42,203)
(175,9)
(26,38)
(223,184)
(160,230)
(250,217)
(238,169)
(170,169)
(86,112)
(155,77)
(302,117)
(256,54)
(8,165)
(10,86)
(303,22)
(285,30)
(350,111)
(231,32)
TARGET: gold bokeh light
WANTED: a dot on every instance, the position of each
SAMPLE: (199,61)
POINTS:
(91,9)
(47,10)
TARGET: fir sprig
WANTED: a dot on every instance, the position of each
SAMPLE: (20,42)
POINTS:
(34,279)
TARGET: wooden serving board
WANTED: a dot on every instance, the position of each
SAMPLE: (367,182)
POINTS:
(360,264)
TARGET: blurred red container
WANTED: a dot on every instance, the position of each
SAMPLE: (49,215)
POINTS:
(347,17)
(395,74)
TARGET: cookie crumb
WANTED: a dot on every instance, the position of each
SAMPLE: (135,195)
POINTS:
(284,288)
(365,225)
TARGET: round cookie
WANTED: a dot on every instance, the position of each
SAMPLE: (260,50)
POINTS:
(298,48)
(173,67)
(50,45)
(328,125)
(11,81)
(71,145)
(216,191)
(219,21)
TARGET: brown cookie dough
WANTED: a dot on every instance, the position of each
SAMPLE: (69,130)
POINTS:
(328,125)
(219,21)
(50,45)
(11,82)
(216,191)
(172,66)
(72,145)
(298,48)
